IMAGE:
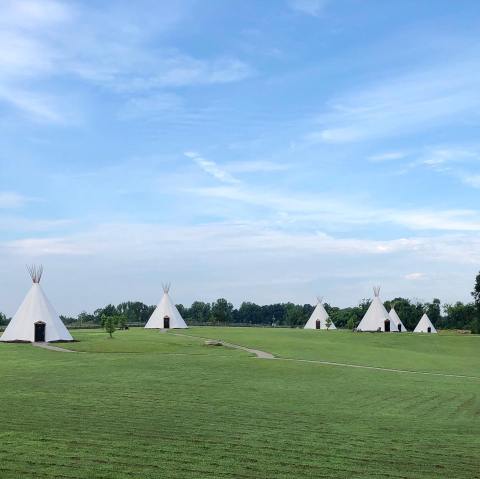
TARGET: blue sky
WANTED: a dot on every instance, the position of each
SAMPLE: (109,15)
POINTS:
(264,151)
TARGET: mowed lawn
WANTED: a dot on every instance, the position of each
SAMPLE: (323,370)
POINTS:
(156,405)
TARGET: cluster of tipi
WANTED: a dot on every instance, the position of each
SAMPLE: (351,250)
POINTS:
(376,319)
(37,321)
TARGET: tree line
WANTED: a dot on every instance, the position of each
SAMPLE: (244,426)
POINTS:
(447,316)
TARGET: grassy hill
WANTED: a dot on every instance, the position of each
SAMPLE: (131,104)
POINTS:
(148,405)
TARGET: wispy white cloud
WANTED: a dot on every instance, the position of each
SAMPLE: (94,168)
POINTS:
(309,7)
(152,105)
(147,239)
(37,106)
(52,39)
(458,162)
(471,180)
(388,156)
(9,199)
(211,168)
(393,107)
(335,212)
(256,166)
(415,276)
(37,247)
(440,156)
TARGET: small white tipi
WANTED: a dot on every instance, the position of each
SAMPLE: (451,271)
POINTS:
(166,314)
(36,320)
(318,319)
(397,322)
(376,318)
(425,325)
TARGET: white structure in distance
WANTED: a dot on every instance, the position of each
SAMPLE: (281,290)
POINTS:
(376,318)
(166,314)
(397,322)
(425,325)
(319,318)
(36,319)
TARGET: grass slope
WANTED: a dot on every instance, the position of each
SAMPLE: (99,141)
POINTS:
(150,405)
(444,353)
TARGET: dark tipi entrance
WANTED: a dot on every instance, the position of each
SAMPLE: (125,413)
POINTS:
(387,325)
(399,328)
(429,329)
(317,324)
(166,322)
(39,332)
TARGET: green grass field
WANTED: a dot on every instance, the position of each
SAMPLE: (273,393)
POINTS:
(156,405)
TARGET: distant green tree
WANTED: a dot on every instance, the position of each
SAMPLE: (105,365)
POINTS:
(109,310)
(295,315)
(351,323)
(459,315)
(120,321)
(434,312)
(199,312)
(221,311)
(109,323)
(249,313)
(476,298)
(67,319)
(3,319)
(328,323)
(85,318)
(135,311)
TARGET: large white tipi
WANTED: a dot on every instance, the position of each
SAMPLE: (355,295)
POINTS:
(166,314)
(425,325)
(319,317)
(36,320)
(376,318)
(397,322)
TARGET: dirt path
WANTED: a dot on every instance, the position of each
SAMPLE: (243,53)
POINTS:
(257,352)
(265,355)
(51,347)
(376,368)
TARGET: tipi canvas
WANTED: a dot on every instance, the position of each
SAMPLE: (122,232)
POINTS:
(376,318)
(397,322)
(166,314)
(319,317)
(425,325)
(36,320)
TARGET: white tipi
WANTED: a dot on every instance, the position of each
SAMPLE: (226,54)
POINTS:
(376,318)
(318,319)
(398,325)
(36,320)
(166,314)
(425,325)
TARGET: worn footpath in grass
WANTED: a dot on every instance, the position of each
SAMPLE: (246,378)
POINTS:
(179,409)
(442,353)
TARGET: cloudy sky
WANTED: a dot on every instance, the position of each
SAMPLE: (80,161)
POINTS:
(264,151)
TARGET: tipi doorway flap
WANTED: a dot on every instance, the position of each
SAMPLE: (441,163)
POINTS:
(39,332)
(387,326)
(166,322)
(317,324)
